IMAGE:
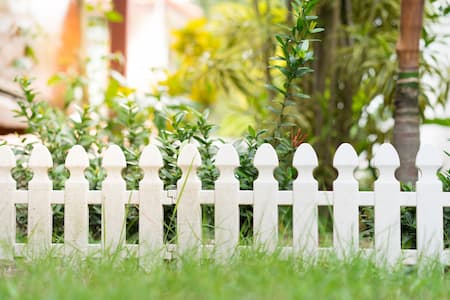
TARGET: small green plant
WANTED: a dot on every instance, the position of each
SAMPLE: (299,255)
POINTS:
(293,64)
(185,125)
(246,172)
(296,55)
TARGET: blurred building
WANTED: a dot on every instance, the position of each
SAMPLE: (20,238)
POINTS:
(41,38)
(34,42)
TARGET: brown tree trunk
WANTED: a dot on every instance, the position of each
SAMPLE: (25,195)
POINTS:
(344,116)
(406,135)
(324,85)
(118,31)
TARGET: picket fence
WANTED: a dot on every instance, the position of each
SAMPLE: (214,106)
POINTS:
(429,200)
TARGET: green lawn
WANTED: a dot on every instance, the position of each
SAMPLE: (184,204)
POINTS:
(248,277)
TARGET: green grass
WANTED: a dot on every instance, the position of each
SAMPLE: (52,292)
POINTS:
(250,276)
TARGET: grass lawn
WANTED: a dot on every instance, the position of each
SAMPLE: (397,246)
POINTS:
(247,277)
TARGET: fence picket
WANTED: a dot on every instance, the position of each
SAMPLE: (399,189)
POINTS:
(345,209)
(429,212)
(151,217)
(387,206)
(189,216)
(113,200)
(76,214)
(226,210)
(39,208)
(265,203)
(305,187)
(7,208)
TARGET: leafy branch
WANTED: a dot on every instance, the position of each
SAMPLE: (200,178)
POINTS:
(295,57)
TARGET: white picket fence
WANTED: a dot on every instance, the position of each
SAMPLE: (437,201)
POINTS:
(265,198)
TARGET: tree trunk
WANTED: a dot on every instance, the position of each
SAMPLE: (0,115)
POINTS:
(406,135)
(346,88)
(118,32)
(324,90)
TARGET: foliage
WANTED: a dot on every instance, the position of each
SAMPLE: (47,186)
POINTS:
(247,147)
(104,11)
(47,123)
(125,124)
(185,125)
(367,70)
(352,86)
(295,56)
(223,60)
(86,127)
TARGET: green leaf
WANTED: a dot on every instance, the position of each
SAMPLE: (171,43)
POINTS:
(251,131)
(303,96)
(274,110)
(55,79)
(289,103)
(287,124)
(29,52)
(299,26)
(275,89)
(446,11)
(303,70)
(114,16)
(89,7)
(317,30)
(438,121)
(278,58)
(280,40)
(304,45)
(309,18)
(283,70)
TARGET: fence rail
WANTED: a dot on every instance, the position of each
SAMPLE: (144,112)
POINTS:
(265,198)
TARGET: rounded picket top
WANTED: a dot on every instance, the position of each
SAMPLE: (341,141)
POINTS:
(7,158)
(305,156)
(77,157)
(265,156)
(40,157)
(345,156)
(114,157)
(386,156)
(227,156)
(189,156)
(429,156)
(151,157)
